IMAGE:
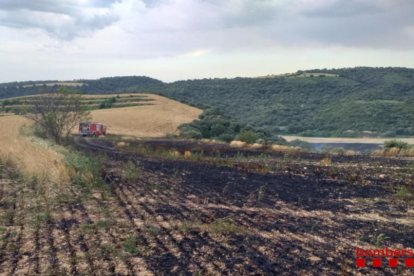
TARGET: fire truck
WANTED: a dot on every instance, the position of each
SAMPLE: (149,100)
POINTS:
(92,129)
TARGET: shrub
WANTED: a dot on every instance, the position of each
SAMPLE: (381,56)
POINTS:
(396,144)
(132,171)
(247,136)
(188,131)
(130,245)
(107,103)
(86,171)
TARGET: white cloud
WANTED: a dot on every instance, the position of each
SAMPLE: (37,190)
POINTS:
(64,19)
(74,35)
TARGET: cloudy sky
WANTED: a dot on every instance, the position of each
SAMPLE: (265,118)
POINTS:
(183,39)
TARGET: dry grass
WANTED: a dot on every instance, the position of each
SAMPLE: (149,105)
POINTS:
(32,157)
(162,117)
(237,144)
(158,118)
(394,152)
(282,148)
(256,146)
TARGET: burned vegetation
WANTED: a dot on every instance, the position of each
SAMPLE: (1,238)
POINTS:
(163,207)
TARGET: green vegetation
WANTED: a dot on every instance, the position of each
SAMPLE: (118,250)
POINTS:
(339,102)
(25,105)
(223,226)
(86,171)
(380,239)
(57,114)
(130,245)
(132,171)
(405,192)
(107,103)
(213,125)
(361,101)
(396,144)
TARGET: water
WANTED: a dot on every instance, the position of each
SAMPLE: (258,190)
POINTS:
(360,147)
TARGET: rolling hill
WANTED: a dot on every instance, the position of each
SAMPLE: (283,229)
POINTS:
(350,102)
(157,119)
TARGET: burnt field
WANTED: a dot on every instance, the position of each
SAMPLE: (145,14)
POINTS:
(175,207)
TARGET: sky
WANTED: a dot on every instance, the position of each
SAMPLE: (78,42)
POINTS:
(186,39)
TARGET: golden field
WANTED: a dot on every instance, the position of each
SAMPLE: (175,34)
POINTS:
(153,115)
(159,118)
(32,156)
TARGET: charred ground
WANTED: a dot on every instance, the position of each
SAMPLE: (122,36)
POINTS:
(185,207)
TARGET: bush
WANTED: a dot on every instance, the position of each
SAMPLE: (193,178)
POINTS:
(86,171)
(212,125)
(107,103)
(188,131)
(396,144)
(248,136)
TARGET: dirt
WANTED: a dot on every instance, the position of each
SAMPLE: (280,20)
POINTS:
(240,213)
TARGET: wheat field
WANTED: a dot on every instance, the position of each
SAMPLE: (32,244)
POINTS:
(31,155)
(160,117)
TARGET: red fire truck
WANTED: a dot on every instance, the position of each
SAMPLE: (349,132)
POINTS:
(91,129)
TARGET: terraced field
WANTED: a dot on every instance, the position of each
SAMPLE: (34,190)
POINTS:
(138,115)
(90,102)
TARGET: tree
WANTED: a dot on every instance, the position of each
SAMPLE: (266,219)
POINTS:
(56,114)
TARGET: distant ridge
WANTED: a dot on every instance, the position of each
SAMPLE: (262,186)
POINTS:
(361,101)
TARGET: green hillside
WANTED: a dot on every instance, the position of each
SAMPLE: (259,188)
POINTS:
(339,102)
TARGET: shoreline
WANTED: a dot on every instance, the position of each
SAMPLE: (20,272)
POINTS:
(345,140)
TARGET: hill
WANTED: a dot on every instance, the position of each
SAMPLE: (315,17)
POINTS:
(143,115)
(350,102)
(157,119)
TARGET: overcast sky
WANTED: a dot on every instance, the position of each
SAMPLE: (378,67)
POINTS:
(184,39)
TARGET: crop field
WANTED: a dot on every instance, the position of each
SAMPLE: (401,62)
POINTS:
(138,115)
(160,117)
(23,104)
(180,207)
(31,155)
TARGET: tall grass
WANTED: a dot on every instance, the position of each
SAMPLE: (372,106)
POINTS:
(395,148)
(30,155)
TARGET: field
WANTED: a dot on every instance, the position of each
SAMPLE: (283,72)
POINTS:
(119,205)
(138,115)
(31,155)
(160,117)
(51,84)
(22,105)
(180,207)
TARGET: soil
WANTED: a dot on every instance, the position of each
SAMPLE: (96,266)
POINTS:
(227,212)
